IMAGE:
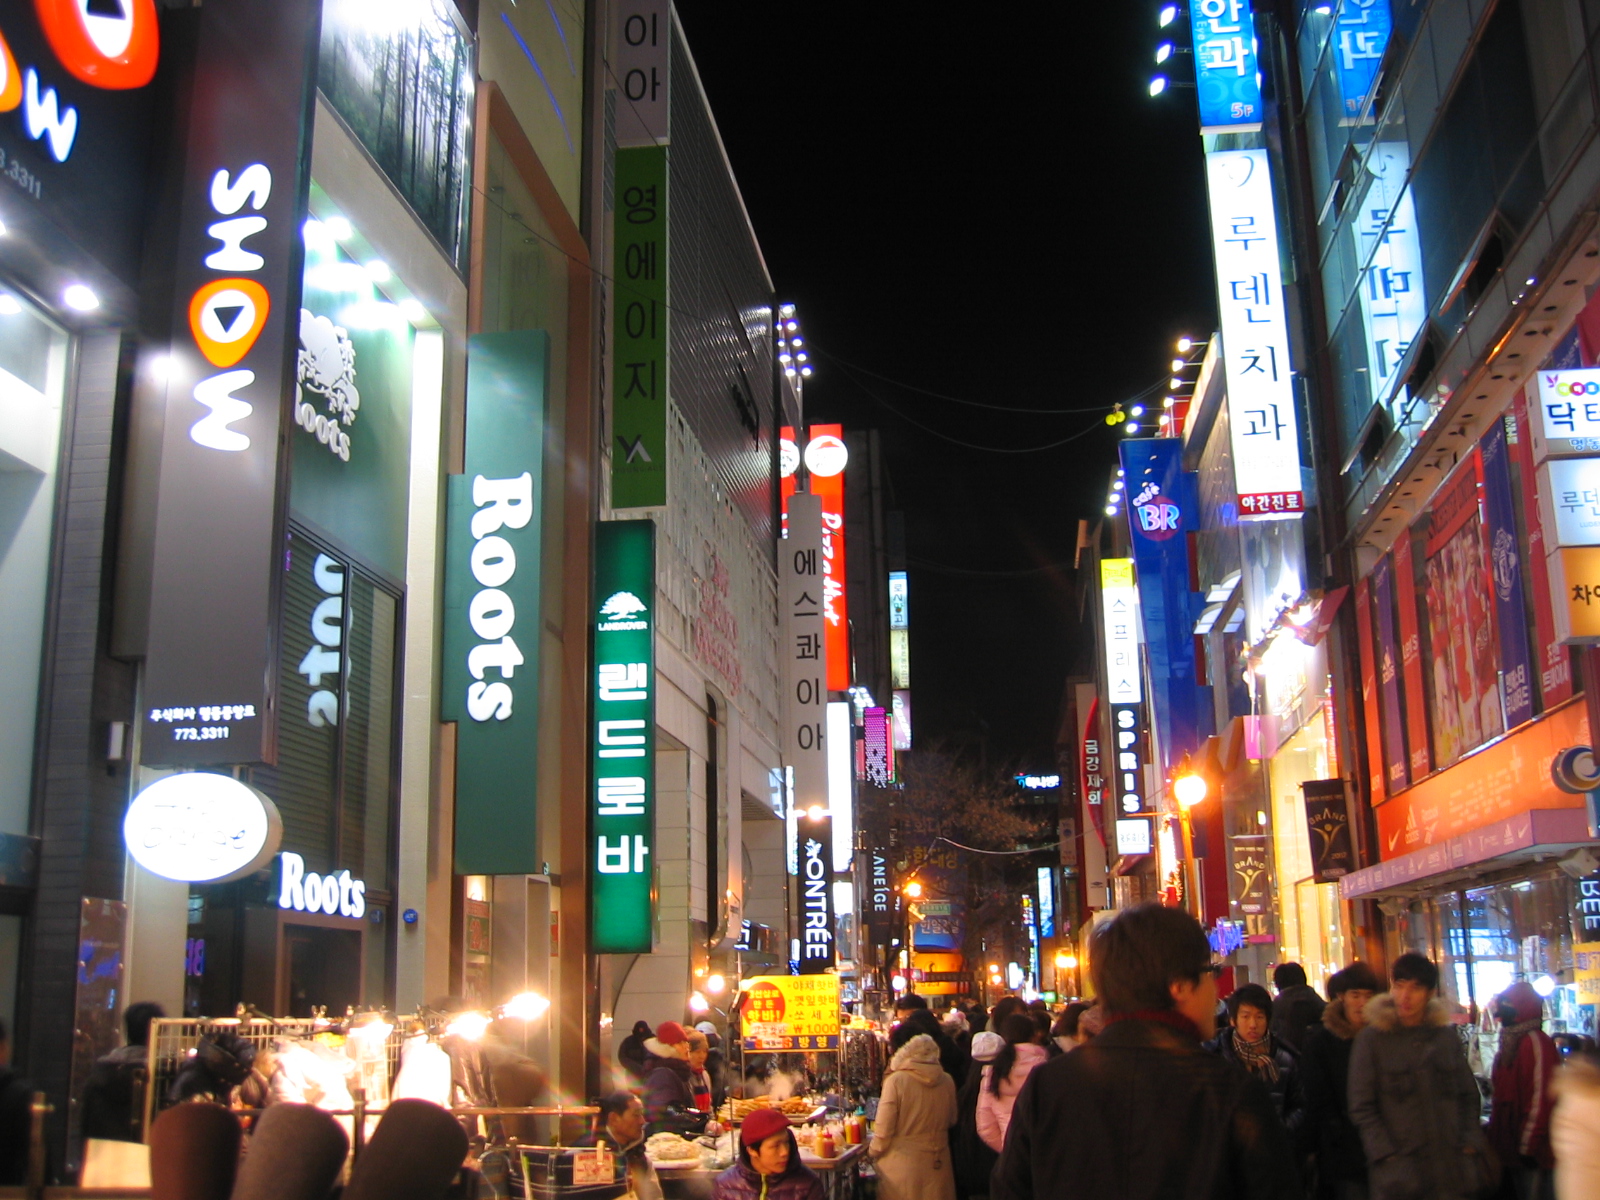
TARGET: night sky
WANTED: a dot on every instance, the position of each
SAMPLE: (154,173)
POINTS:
(994,211)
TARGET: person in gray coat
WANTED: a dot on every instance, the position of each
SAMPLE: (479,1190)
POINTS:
(1412,1095)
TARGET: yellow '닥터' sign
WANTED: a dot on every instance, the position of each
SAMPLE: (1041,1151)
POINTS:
(790,1012)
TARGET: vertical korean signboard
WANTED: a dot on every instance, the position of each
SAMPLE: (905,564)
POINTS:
(816,895)
(1124,681)
(641,71)
(639,365)
(1227,69)
(825,457)
(210,672)
(1255,335)
(621,877)
(803,653)
(491,615)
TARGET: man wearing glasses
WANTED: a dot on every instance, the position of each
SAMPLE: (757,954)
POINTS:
(1143,1112)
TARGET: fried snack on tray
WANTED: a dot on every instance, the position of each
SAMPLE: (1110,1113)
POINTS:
(796,1106)
(669,1147)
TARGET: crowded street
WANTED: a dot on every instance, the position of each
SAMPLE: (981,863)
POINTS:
(476,477)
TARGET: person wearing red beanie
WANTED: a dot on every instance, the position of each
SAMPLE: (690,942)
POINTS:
(769,1166)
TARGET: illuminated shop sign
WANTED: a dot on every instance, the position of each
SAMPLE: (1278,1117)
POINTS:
(899,601)
(879,754)
(1255,335)
(1038,782)
(1360,36)
(639,364)
(642,69)
(1569,500)
(841,785)
(900,718)
(489,681)
(236,281)
(1128,757)
(200,827)
(1120,601)
(804,651)
(1227,67)
(334,894)
(825,458)
(1047,902)
(621,877)
(1133,836)
(1393,302)
(816,897)
(1566,420)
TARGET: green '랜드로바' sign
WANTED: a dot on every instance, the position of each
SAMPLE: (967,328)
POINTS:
(639,376)
(621,873)
(491,613)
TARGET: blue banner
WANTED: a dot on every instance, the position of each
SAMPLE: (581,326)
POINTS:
(1397,768)
(1162,509)
(1505,571)
(1360,36)
(1227,69)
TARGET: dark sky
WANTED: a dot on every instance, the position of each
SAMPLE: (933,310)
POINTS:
(983,203)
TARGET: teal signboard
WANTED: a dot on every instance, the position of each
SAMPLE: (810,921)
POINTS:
(639,370)
(622,742)
(491,615)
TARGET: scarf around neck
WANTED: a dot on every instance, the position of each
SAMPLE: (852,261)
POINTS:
(1160,1016)
(1256,1057)
(1511,1037)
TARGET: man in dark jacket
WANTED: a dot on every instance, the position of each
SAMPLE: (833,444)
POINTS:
(1341,1164)
(110,1103)
(1298,1007)
(1142,1112)
(631,1053)
(619,1127)
(1250,1043)
(1412,1095)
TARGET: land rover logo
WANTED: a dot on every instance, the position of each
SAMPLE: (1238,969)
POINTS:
(622,612)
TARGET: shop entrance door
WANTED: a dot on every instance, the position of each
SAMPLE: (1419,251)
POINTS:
(324,968)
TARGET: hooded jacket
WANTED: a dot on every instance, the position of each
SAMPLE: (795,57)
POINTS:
(1416,1104)
(743,1182)
(994,1112)
(1575,1128)
(1325,1083)
(910,1137)
(631,1053)
(1142,1112)
(668,1093)
(1521,1087)
(1296,1010)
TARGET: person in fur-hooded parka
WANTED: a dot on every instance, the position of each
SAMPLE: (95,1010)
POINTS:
(1521,1078)
(1412,1095)
(910,1144)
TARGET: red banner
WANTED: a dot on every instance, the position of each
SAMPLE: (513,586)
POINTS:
(1369,693)
(830,489)
(1416,702)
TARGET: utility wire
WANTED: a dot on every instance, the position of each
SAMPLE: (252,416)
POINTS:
(1040,412)
(923,564)
(975,850)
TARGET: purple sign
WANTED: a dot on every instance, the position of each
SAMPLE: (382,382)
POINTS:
(1397,769)
(1505,571)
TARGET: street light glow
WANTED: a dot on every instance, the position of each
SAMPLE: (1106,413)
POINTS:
(1169,14)
(913,889)
(1190,789)
(1158,85)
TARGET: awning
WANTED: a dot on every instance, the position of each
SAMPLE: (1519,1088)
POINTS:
(1544,831)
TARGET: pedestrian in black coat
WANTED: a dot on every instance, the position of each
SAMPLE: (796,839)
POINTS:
(1340,1162)
(1298,1007)
(631,1053)
(971,1157)
(1143,1112)
(1251,1045)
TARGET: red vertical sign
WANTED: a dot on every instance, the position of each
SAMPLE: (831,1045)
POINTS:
(829,488)
(1405,593)
(1369,693)
(1552,665)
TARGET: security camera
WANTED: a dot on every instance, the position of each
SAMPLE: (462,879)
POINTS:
(1580,862)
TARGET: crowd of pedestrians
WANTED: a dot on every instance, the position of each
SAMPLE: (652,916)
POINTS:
(1155,1090)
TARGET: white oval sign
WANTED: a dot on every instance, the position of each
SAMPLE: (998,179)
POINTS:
(826,455)
(200,827)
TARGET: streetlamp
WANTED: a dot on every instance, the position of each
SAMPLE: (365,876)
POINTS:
(1067,962)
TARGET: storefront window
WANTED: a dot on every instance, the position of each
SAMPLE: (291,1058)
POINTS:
(33,357)
(1310,916)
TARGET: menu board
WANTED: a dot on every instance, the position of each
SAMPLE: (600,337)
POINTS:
(790,1012)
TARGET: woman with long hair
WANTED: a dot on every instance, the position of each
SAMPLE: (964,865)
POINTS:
(1003,1078)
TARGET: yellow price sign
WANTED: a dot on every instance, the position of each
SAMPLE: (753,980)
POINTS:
(790,1012)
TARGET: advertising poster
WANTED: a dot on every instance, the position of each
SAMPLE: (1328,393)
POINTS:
(1553,668)
(1328,824)
(1394,743)
(1505,572)
(944,899)
(1465,691)
(1411,666)
(790,1012)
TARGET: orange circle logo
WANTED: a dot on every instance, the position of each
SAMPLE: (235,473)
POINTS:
(226,317)
(10,78)
(104,49)
(765,1005)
